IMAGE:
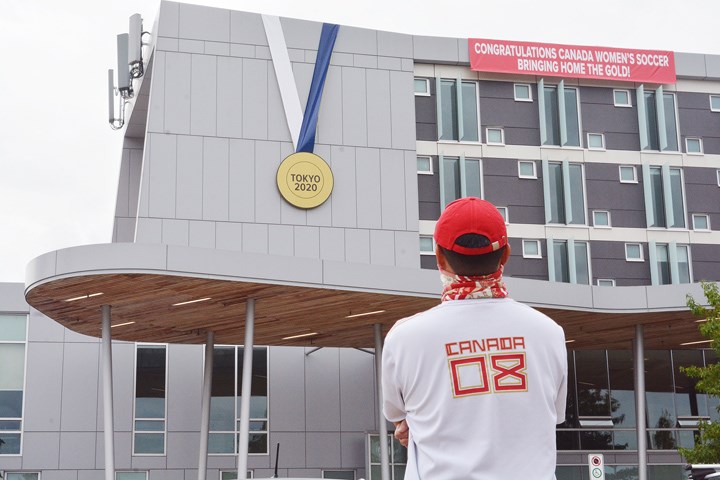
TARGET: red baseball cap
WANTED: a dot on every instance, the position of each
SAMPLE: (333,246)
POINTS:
(471,215)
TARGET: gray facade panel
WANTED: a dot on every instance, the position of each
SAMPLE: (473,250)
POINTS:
(182,449)
(178,72)
(74,448)
(394,44)
(60,475)
(357,396)
(379,125)
(330,125)
(690,65)
(184,362)
(301,33)
(356,40)
(344,196)
(80,387)
(247,28)
(156,103)
(357,246)
(41,450)
(267,160)
(292,451)
(307,242)
(123,388)
(392,189)
(303,73)
(277,122)
(712,66)
(352,446)
(215,179)
(189,177)
(204,23)
(42,408)
(322,395)
(162,166)
(254,95)
(121,202)
(217,48)
(280,240)
(168,19)
(402,110)
(241,180)
(435,49)
(40,327)
(255,238)
(287,374)
(228,236)
(367,178)
(203,99)
(229,96)
(332,244)
(323,450)
(354,106)
(175,232)
(321,216)
(412,214)
(407,249)
(191,46)
(382,247)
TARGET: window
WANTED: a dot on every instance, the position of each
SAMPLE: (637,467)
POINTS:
(669,263)
(398,457)
(427,245)
(596,141)
(523,92)
(13,336)
(424,165)
(526,169)
(559,115)
(715,103)
(694,146)
(621,98)
(495,135)
(225,401)
(459,177)
(341,474)
(568,261)
(457,110)
(657,120)
(531,249)
(150,404)
(634,252)
(131,475)
(232,475)
(701,221)
(563,188)
(601,218)
(628,174)
(504,213)
(664,205)
(22,476)
(422,87)
(605,282)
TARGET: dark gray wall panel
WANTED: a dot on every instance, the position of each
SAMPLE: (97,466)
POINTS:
(520,136)
(506,111)
(533,268)
(429,210)
(600,115)
(429,193)
(622,141)
(703,194)
(523,197)
(625,201)
(608,261)
(428,262)
(697,120)
(426,115)
(426,131)
(705,262)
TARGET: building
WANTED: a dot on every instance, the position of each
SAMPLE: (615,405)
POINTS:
(612,203)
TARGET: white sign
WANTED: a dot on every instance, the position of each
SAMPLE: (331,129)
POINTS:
(596,464)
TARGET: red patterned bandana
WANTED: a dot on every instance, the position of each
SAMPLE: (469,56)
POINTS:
(458,287)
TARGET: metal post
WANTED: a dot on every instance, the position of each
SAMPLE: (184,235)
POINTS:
(205,413)
(639,351)
(244,438)
(108,426)
(384,454)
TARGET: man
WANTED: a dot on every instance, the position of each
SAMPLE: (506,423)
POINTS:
(479,381)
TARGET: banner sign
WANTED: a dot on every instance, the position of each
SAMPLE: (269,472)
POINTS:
(572,61)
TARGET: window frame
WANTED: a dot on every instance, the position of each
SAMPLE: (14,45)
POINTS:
(629,98)
(391,454)
(673,263)
(634,170)
(595,224)
(135,418)
(643,120)
(8,473)
(462,159)
(602,141)
(665,176)
(426,172)
(572,272)
(611,280)
(21,419)
(562,120)
(439,102)
(533,176)
(423,252)
(628,258)
(506,215)
(700,143)
(565,166)
(710,98)
(707,217)
(521,99)
(249,473)
(502,136)
(131,471)
(539,248)
(426,93)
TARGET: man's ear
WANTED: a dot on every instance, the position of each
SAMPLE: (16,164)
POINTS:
(505,255)
(441,260)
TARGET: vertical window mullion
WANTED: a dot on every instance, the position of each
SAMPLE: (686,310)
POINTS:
(572,266)
(443,202)
(566,192)
(438,103)
(660,107)
(647,190)
(652,260)
(561,113)
(546,189)
(642,118)
(463,177)
(667,194)
(673,261)
(550,249)
(458,96)
(541,109)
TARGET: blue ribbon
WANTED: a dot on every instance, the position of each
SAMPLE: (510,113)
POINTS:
(306,140)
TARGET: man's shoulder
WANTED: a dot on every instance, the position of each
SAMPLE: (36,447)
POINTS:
(407,322)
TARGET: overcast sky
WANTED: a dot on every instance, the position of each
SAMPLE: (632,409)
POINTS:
(59,159)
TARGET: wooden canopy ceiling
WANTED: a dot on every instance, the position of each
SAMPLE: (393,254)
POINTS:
(144,310)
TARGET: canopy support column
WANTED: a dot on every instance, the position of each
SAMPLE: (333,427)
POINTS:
(244,434)
(639,365)
(382,427)
(108,425)
(205,413)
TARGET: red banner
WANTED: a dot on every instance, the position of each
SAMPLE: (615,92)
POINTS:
(572,61)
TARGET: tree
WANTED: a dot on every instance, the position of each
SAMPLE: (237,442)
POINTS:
(707,440)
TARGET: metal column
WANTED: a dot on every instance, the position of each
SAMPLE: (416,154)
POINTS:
(384,453)
(108,426)
(205,413)
(639,351)
(244,438)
